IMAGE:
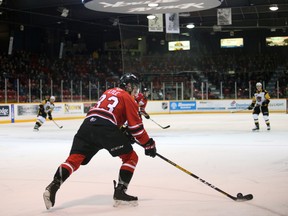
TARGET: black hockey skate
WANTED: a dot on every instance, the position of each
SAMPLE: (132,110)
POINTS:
(36,128)
(50,193)
(255,129)
(121,197)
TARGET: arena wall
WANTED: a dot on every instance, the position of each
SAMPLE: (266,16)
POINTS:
(23,112)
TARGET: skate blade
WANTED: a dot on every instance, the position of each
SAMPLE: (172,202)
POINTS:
(126,203)
(46,197)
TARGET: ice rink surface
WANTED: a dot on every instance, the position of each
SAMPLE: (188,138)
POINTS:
(219,148)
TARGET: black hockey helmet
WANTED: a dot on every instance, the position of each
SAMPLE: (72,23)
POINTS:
(128,78)
(146,92)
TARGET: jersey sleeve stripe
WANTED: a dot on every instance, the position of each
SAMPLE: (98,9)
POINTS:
(136,129)
(103,114)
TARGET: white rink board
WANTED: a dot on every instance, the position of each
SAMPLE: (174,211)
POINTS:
(28,111)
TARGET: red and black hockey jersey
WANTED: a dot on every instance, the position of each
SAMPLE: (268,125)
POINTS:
(142,101)
(118,106)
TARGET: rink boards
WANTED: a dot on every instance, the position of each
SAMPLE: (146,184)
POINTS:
(22,112)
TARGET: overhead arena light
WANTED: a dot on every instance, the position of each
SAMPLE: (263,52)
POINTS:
(190,26)
(151,17)
(273,7)
(152,5)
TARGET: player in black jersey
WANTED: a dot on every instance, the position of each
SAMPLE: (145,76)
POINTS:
(45,109)
(260,102)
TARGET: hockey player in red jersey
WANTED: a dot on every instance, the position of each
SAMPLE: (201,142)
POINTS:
(101,130)
(142,99)
(260,102)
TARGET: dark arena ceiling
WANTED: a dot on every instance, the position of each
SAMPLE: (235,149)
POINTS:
(246,14)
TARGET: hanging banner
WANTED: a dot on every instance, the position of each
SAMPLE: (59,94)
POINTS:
(156,25)
(172,23)
(10,48)
(61,50)
(224,16)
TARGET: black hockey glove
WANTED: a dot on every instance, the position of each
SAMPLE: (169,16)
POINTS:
(126,132)
(50,116)
(251,107)
(150,148)
(146,115)
(41,109)
(265,103)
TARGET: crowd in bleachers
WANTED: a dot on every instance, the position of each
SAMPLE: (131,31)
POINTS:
(31,67)
(215,69)
(23,71)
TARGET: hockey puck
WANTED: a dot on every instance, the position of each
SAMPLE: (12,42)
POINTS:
(239,195)
(249,197)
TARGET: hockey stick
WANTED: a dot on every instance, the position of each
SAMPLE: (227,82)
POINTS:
(60,127)
(239,196)
(159,124)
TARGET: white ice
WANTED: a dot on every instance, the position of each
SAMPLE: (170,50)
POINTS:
(219,148)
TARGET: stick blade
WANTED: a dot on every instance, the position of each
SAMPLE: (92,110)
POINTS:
(245,198)
(168,126)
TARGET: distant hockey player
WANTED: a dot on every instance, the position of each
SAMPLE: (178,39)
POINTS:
(142,99)
(45,109)
(260,102)
(101,130)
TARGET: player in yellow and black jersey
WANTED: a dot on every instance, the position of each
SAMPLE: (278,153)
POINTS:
(260,102)
(45,109)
